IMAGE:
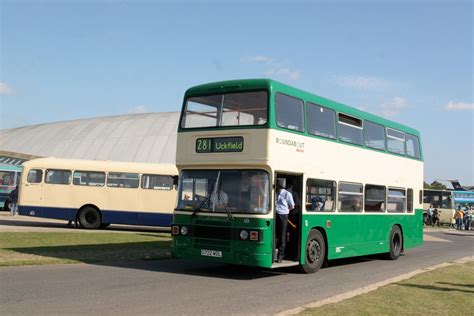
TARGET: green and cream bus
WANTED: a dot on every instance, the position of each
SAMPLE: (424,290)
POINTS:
(239,137)
(98,193)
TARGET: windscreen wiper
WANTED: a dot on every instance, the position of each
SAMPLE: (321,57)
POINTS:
(229,212)
(206,200)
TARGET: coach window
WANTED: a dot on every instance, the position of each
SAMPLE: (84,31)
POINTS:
(122,180)
(320,195)
(321,121)
(395,141)
(374,135)
(90,178)
(289,112)
(374,198)
(157,182)
(410,200)
(350,129)
(413,147)
(35,176)
(350,197)
(396,200)
(54,176)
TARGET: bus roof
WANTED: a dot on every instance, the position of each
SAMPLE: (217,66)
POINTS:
(272,85)
(101,165)
(7,167)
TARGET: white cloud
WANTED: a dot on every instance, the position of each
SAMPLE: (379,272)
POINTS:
(361,82)
(139,109)
(273,67)
(459,106)
(393,107)
(5,89)
(284,72)
(257,59)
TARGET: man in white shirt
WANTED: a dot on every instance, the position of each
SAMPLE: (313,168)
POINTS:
(219,199)
(284,204)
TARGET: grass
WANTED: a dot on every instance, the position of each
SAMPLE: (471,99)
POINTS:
(20,248)
(445,291)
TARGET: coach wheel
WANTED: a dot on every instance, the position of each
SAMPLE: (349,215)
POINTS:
(89,218)
(315,252)
(7,206)
(396,242)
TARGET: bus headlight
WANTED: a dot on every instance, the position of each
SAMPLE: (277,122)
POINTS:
(244,234)
(184,230)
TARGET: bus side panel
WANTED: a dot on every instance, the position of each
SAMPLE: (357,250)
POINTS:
(56,195)
(162,201)
(413,230)
(122,199)
(48,212)
(82,195)
(363,234)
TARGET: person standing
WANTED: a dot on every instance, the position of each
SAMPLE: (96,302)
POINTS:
(435,217)
(14,199)
(429,220)
(468,218)
(458,216)
(284,204)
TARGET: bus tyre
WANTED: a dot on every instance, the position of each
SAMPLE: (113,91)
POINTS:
(396,242)
(6,206)
(89,218)
(315,252)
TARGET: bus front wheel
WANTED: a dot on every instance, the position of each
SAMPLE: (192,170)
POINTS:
(315,252)
(89,218)
(396,242)
(7,206)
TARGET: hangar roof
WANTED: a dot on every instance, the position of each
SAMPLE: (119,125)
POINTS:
(149,137)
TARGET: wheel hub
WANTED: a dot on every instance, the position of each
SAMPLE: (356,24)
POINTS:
(314,251)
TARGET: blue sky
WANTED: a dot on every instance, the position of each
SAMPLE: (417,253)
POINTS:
(409,61)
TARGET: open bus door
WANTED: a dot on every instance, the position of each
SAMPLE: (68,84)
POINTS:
(293,183)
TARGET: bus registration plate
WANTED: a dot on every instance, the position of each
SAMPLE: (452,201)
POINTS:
(211,253)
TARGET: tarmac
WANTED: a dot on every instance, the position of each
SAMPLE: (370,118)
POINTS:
(19,223)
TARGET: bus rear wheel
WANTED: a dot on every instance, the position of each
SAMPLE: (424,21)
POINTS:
(315,252)
(396,242)
(89,218)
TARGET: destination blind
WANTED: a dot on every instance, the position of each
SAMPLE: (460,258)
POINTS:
(219,144)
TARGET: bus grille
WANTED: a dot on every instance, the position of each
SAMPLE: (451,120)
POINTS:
(212,244)
(223,233)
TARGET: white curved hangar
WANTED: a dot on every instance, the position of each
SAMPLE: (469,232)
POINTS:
(149,137)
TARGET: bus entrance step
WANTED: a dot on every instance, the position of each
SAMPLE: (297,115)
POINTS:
(285,263)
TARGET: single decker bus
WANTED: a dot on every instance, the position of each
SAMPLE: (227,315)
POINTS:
(97,193)
(356,178)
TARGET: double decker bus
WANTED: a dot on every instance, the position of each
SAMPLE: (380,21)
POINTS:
(9,178)
(237,138)
(99,193)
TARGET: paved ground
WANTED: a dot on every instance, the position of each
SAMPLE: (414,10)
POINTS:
(183,287)
(36,224)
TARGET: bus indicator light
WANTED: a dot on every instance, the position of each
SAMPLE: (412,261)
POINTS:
(175,230)
(254,235)
(328,223)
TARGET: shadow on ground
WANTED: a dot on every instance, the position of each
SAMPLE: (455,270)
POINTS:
(437,288)
(156,256)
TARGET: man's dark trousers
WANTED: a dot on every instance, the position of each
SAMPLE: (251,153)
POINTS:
(282,223)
